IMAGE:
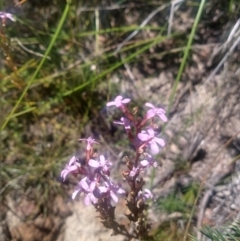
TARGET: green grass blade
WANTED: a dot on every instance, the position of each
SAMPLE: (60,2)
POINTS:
(186,54)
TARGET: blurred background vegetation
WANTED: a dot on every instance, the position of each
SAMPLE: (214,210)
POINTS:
(60,63)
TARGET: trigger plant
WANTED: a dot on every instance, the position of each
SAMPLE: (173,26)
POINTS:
(96,184)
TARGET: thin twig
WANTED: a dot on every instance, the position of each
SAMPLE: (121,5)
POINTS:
(113,7)
(170,20)
(227,55)
(235,27)
(150,16)
(28,50)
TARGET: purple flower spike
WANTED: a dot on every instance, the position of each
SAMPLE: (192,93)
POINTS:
(155,111)
(90,141)
(149,138)
(125,122)
(102,163)
(119,101)
(4,15)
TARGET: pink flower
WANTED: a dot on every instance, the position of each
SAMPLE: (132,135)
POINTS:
(148,137)
(102,163)
(145,195)
(4,15)
(90,141)
(125,122)
(88,187)
(155,111)
(149,162)
(112,190)
(72,167)
(135,171)
(119,101)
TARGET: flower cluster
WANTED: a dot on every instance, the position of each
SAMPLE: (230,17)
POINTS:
(96,183)
(93,174)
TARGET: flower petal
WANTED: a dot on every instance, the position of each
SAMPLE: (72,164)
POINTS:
(64,174)
(150,114)
(74,194)
(87,200)
(151,132)
(102,160)
(93,198)
(125,101)
(92,186)
(143,136)
(111,103)
(121,191)
(160,141)
(162,116)
(103,189)
(113,196)
(93,163)
(144,163)
(72,160)
(154,147)
(147,194)
(149,105)
(83,184)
